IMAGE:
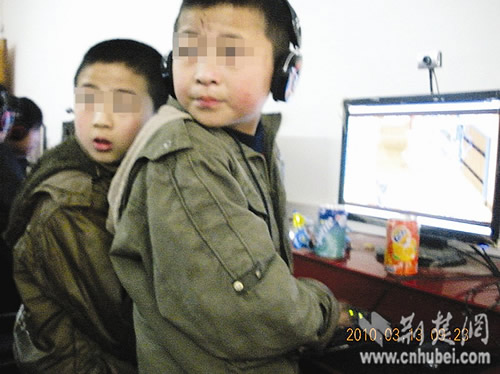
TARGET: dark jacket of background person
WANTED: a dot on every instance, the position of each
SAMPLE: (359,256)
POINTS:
(78,304)
(14,151)
(12,174)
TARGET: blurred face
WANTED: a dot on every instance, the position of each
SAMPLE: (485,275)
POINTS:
(27,144)
(111,105)
(223,65)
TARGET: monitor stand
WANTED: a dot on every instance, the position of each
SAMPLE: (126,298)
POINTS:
(434,251)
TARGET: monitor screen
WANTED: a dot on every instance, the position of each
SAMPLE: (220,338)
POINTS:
(435,157)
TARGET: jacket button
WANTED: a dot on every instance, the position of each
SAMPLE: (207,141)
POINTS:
(238,286)
(258,274)
(167,144)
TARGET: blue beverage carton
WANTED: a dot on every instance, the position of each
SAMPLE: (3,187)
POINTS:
(330,235)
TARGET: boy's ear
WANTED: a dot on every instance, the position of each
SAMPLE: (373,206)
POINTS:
(166,71)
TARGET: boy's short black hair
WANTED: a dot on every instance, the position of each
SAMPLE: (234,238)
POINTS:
(276,15)
(28,116)
(139,57)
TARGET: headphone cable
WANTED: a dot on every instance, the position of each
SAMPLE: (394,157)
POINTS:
(256,181)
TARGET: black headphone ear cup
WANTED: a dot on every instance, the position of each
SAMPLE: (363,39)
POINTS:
(286,74)
(167,74)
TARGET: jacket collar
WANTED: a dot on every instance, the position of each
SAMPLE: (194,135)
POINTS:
(179,139)
(270,121)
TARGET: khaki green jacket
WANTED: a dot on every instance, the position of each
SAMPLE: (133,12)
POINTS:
(76,316)
(201,247)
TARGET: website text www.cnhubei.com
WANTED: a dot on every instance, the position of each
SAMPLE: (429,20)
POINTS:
(419,357)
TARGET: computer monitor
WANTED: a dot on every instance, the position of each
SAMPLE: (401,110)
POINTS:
(435,157)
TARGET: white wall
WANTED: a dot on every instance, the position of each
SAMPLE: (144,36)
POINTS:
(351,48)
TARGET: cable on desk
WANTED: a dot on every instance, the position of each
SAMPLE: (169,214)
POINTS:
(382,297)
(491,265)
(487,261)
(470,294)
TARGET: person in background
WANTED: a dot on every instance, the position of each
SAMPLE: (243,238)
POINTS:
(24,133)
(75,316)
(21,121)
(200,239)
(5,111)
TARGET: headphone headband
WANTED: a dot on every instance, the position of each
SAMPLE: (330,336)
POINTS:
(296,32)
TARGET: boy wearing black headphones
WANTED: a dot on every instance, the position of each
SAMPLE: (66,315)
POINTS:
(198,206)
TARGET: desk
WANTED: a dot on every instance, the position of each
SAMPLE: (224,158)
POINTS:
(361,280)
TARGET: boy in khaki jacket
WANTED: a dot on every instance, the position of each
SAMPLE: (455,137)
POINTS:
(76,316)
(199,207)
